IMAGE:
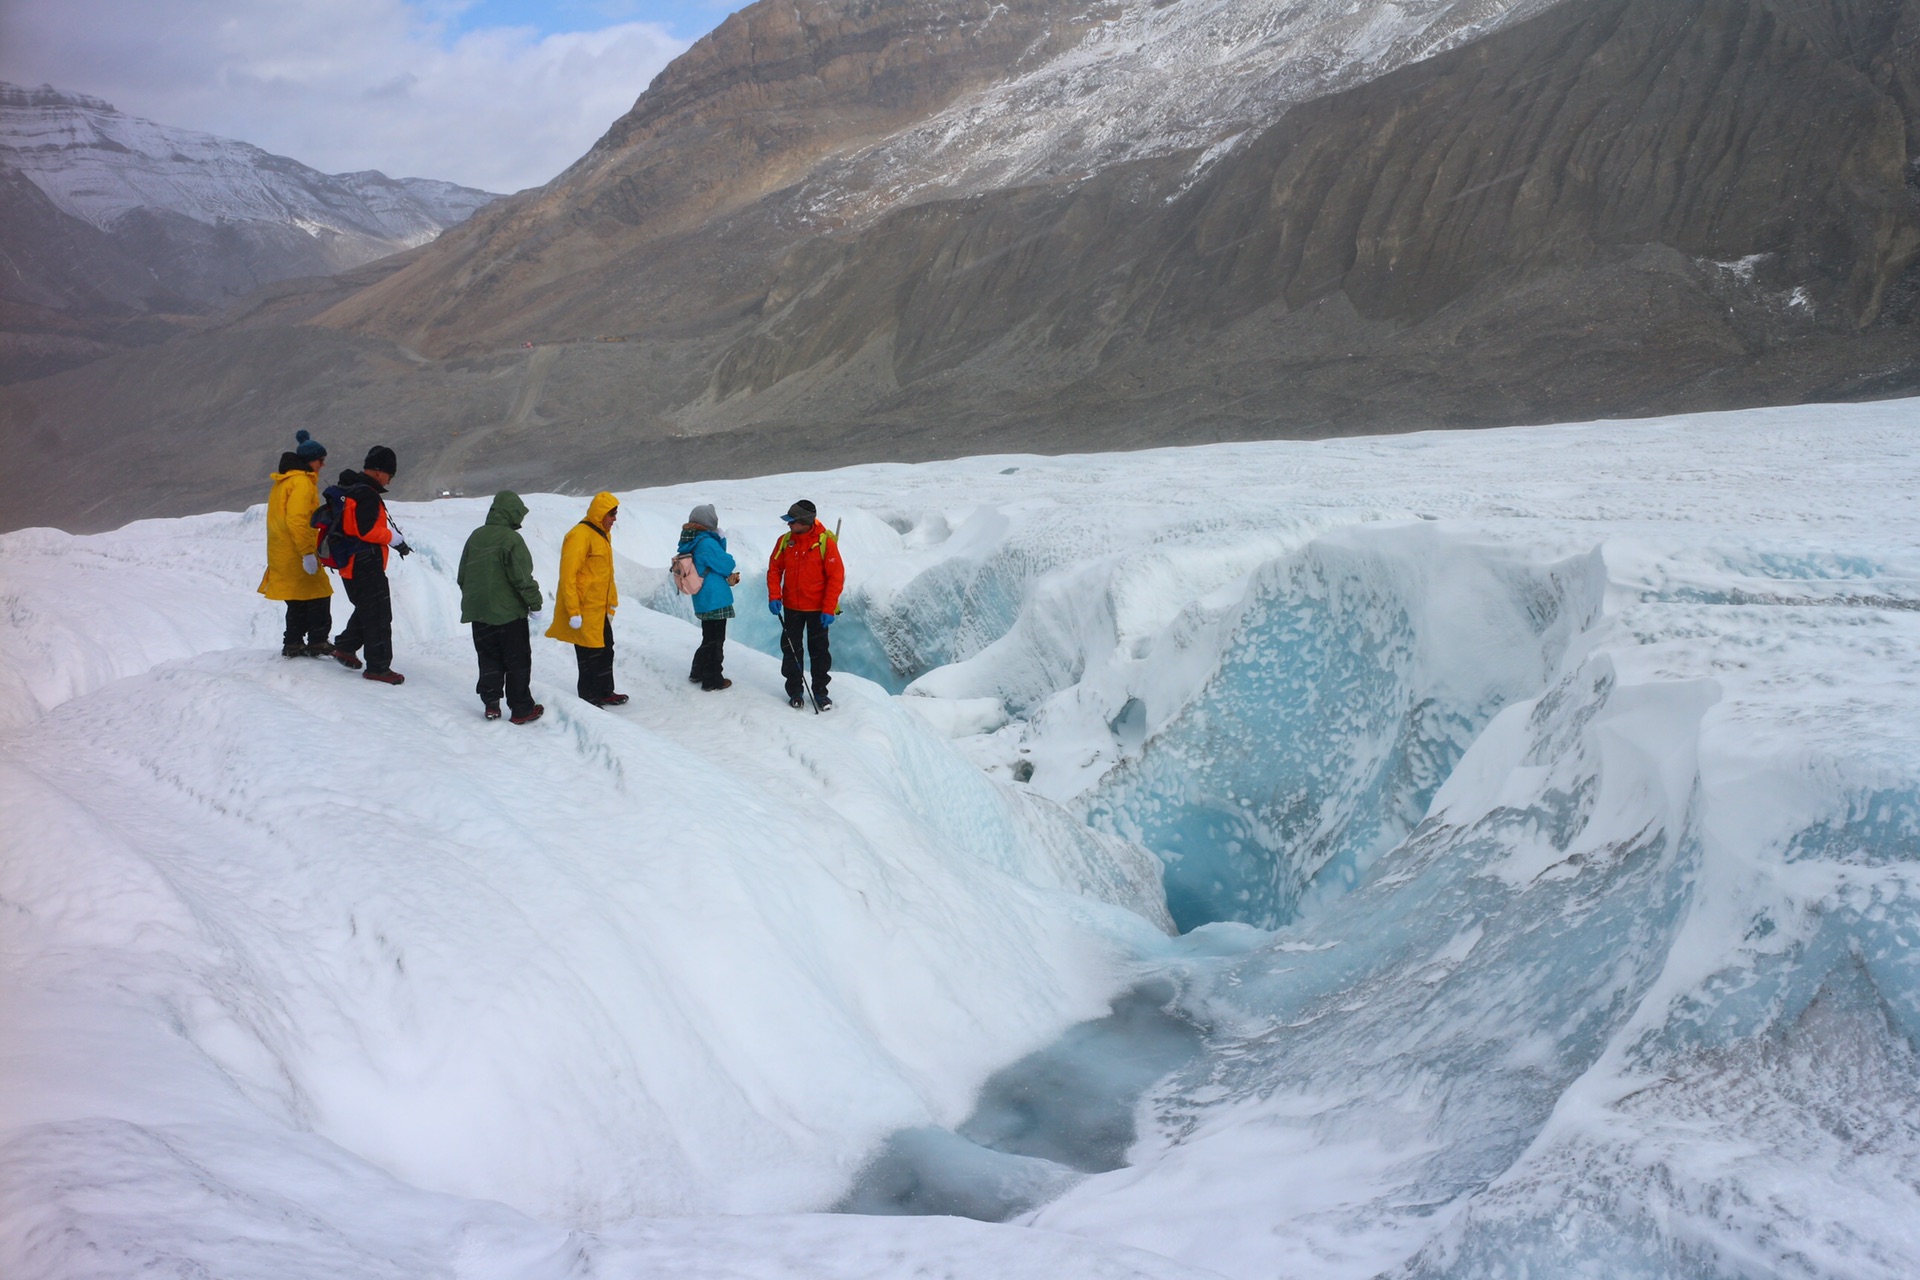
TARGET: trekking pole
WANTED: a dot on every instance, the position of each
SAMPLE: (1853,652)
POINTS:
(816,701)
(793,652)
(395,525)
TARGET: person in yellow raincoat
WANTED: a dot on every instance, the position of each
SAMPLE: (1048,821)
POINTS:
(586,599)
(293,572)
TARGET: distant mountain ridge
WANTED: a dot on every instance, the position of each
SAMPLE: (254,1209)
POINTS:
(109,217)
(838,231)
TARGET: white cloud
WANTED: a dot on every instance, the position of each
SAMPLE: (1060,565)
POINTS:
(345,84)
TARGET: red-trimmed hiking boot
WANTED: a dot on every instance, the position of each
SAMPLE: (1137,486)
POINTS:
(493,711)
(346,659)
(611,700)
(530,716)
(384,677)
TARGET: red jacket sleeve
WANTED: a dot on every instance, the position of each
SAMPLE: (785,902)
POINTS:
(836,573)
(773,567)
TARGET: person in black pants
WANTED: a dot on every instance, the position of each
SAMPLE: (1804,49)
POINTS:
(586,598)
(293,571)
(706,560)
(497,592)
(364,535)
(804,580)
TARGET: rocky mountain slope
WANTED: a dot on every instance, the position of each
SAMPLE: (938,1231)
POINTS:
(840,231)
(110,218)
(794,121)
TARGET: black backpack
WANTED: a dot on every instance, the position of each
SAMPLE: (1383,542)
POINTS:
(332,547)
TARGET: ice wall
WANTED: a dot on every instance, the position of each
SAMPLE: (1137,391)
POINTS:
(1348,683)
(1636,998)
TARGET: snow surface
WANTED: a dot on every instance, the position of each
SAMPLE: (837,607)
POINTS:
(1544,806)
(98,165)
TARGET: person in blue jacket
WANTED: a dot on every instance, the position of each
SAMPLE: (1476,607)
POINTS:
(713,602)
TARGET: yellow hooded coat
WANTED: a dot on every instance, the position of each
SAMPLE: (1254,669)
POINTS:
(290,538)
(586,578)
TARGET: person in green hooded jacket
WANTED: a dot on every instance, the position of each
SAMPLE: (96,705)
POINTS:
(497,592)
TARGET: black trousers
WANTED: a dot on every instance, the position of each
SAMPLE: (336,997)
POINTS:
(707,659)
(372,622)
(308,621)
(803,626)
(596,666)
(505,650)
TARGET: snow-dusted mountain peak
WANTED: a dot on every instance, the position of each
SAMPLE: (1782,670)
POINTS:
(15,95)
(99,165)
(109,217)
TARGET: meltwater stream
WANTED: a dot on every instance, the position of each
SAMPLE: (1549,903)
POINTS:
(1461,864)
(1351,681)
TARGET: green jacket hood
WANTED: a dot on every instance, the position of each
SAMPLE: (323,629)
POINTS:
(507,509)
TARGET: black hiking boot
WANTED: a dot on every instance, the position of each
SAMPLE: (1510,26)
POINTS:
(823,703)
(293,651)
(796,702)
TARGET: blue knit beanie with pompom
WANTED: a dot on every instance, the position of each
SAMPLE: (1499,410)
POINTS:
(309,447)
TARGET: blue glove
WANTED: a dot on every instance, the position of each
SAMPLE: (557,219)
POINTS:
(826,619)
(773,607)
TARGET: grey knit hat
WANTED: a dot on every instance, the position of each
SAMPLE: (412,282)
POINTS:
(705,516)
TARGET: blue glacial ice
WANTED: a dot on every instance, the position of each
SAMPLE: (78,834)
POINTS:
(1352,679)
(1586,916)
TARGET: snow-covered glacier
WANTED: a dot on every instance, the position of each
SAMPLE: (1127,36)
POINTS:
(1478,854)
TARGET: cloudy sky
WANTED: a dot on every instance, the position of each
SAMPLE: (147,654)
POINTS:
(500,94)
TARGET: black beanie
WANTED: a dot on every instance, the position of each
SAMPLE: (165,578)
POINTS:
(380,458)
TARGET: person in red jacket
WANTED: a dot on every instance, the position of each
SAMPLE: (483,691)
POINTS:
(804,577)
